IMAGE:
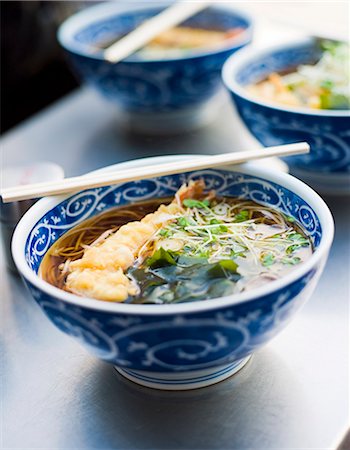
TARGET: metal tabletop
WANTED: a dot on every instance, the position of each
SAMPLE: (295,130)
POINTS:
(293,394)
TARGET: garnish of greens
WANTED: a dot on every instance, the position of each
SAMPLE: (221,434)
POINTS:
(326,84)
(212,248)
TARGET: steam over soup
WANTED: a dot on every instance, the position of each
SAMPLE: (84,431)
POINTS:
(195,246)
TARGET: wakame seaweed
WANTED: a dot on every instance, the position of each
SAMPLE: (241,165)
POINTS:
(170,278)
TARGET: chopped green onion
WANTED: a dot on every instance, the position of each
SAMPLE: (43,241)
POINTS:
(291,260)
(191,203)
(267,259)
(242,216)
(182,221)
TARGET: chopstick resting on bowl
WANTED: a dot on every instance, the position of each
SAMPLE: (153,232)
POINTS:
(148,30)
(68,185)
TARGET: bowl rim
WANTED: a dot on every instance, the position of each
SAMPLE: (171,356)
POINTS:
(95,13)
(34,214)
(236,62)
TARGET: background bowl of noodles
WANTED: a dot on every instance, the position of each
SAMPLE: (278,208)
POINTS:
(167,93)
(186,345)
(327,166)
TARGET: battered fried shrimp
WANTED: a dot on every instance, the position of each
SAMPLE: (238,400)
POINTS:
(100,272)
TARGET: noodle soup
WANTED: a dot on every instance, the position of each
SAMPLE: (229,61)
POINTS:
(193,247)
(175,41)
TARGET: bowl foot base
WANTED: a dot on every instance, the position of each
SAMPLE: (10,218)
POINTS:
(183,381)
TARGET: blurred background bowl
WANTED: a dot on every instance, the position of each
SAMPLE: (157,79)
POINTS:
(187,345)
(327,166)
(154,95)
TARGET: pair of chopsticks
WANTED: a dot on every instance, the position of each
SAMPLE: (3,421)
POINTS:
(68,185)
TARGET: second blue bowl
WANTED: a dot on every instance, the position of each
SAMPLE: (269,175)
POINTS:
(150,86)
(327,131)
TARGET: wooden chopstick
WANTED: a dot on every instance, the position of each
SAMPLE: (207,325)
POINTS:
(67,185)
(143,34)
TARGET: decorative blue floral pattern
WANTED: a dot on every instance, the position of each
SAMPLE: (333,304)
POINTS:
(174,343)
(328,135)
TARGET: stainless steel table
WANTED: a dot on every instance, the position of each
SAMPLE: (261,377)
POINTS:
(292,394)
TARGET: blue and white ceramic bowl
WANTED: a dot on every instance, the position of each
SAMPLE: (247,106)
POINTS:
(327,166)
(156,95)
(181,346)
